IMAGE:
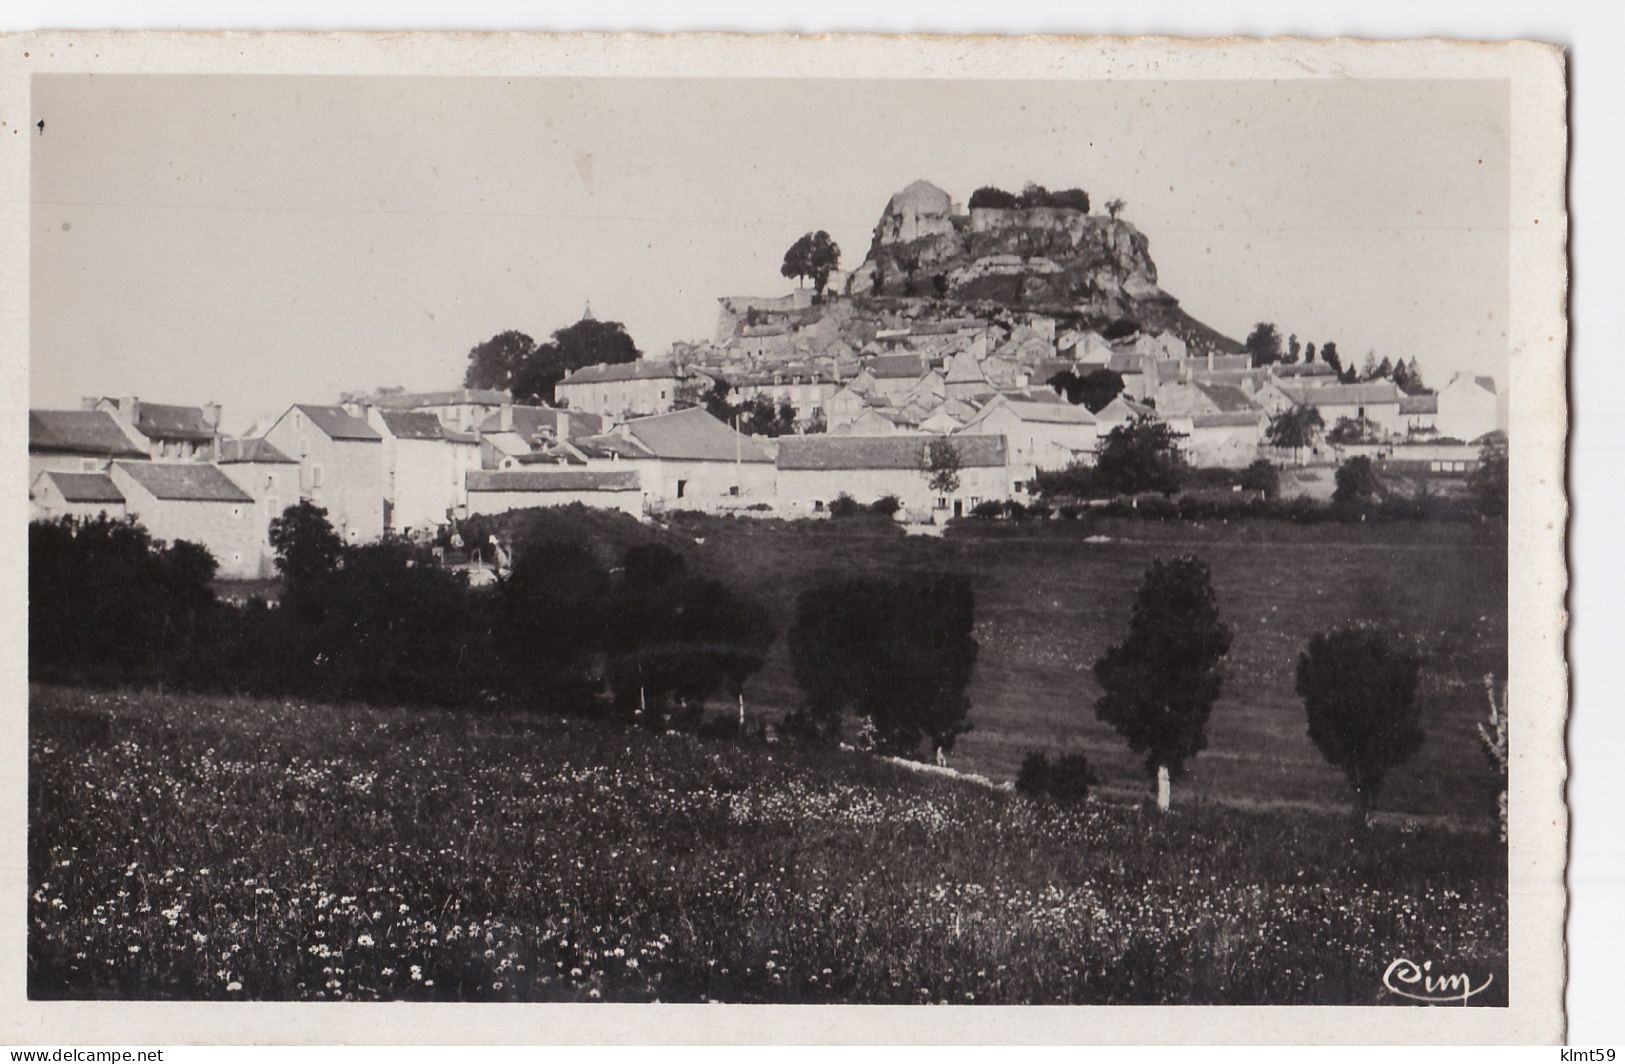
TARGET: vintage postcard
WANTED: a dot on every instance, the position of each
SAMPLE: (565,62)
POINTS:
(621,539)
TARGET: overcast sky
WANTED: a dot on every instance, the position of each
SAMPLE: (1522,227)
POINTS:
(261,240)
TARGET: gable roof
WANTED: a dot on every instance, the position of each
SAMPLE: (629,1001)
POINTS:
(252,449)
(964,368)
(1419,404)
(338,423)
(412,424)
(1122,408)
(1228,398)
(184,481)
(881,452)
(1050,413)
(693,434)
(164,421)
(86,487)
(644,369)
(80,432)
(1228,418)
(1345,394)
(897,367)
(1301,369)
(553,480)
(450,397)
(532,421)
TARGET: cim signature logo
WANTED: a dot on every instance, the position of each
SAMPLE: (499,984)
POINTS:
(1418,983)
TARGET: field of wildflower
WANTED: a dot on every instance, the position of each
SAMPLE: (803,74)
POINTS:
(219,848)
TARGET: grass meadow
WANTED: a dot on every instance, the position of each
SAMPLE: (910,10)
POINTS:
(1050,597)
(217,848)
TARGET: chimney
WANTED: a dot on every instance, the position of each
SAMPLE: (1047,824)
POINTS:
(129,409)
(211,416)
(505,418)
(561,421)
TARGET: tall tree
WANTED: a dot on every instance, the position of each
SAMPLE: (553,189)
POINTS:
(1264,344)
(1094,390)
(1141,455)
(1292,349)
(1358,687)
(1159,685)
(492,364)
(814,256)
(1329,355)
(1296,427)
(1114,207)
(586,343)
(1309,352)
(941,462)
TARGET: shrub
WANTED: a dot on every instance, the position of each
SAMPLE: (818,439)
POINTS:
(1262,476)
(1039,510)
(1357,481)
(989,196)
(886,505)
(1358,687)
(1141,455)
(1015,510)
(844,505)
(988,508)
(1071,512)
(1071,778)
(1032,780)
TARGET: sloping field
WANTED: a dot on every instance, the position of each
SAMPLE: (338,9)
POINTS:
(1049,601)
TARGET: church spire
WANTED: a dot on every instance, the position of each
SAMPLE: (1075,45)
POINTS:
(586,314)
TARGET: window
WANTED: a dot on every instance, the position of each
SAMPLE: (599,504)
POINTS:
(942,502)
(1019,487)
(682,488)
(298,421)
(733,489)
(975,500)
(236,511)
(316,475)
(818,504)
(304,446)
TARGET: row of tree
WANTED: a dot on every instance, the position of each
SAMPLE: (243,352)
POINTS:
(1160,684)
(1265,347)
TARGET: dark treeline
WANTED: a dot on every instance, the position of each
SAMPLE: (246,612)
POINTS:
(594,615)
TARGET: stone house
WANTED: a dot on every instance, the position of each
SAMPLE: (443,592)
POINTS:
(621,390)
(463,409)
(1043,435)
(1374,401)
(270,478)
(1420,413)
(168,433)
(687,459)
(77,441)
(420,478)
(56,494)
(813,470)
(493,491)
(1469,407)
(341,466)
(196,502)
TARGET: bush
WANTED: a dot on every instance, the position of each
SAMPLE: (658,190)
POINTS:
(988,508)
(1067,779)
(1071,512)
(1357,482)
(844,505)
(1262,476)
(886,505)
(1015,510)
(988,196)
(1358,687)
(1039,510)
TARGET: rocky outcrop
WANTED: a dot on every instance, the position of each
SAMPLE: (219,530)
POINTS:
(1058,260)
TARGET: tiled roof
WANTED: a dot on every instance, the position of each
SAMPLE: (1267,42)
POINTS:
(882,452)
(338,422)
(641,370)
(1300,369)
(533,421)
(897,367)
(1051,413)
(184,481)
(694,434)
(253,449)
(79,432)
(610,445)
(1346,394)
(553,480)
(412,424)
(963,368)
(1228,398)
(161,421)
(1228,418)
(458,436)
(1130,363)
(452,397)
(1419,404)
(86,487)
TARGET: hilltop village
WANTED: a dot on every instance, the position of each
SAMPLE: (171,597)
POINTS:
(970,350)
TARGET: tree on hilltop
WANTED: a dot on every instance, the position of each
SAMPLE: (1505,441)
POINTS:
(1114,207)
(492,364)
(1264,344)
(814,256)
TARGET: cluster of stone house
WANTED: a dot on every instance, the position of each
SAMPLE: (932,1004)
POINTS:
(623,438)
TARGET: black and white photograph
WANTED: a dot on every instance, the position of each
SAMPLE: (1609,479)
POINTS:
(634,526)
